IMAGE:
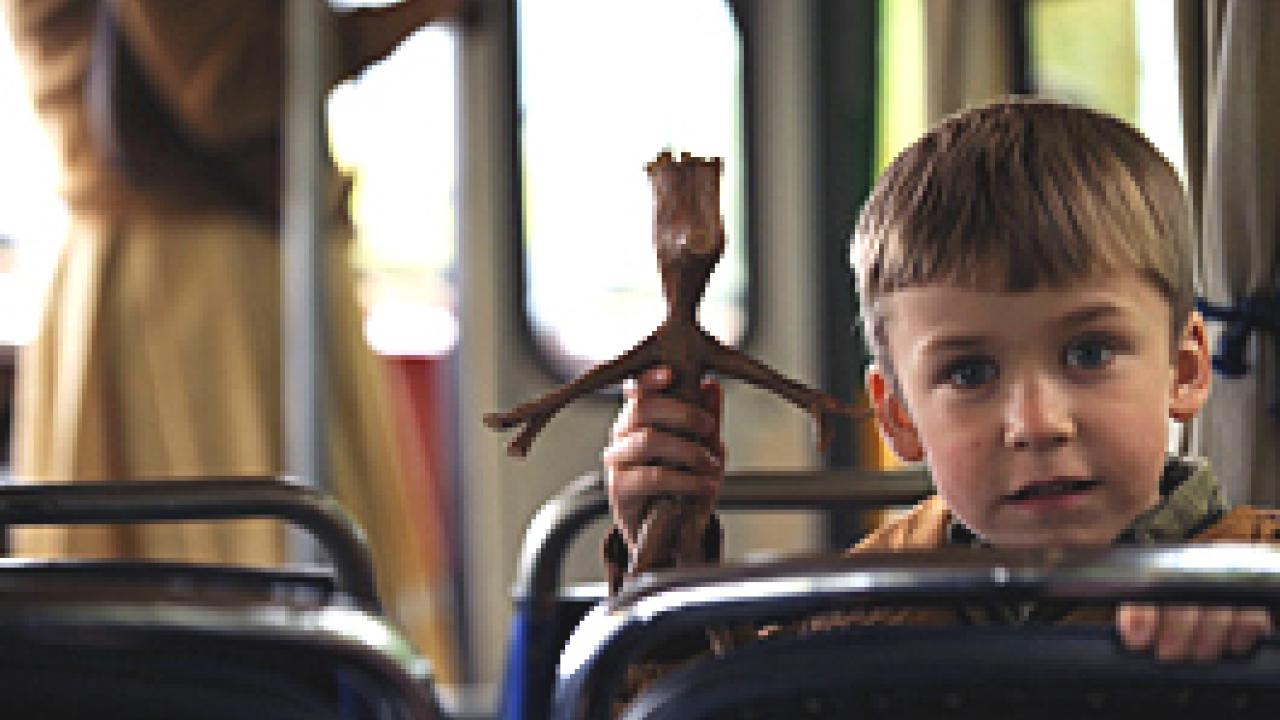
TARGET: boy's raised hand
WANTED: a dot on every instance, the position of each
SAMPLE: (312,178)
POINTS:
(662,446)
(1196,633)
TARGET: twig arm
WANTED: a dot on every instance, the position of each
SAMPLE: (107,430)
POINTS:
(731,363)
(535,414)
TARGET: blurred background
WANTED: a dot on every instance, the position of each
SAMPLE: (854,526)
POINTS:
(501,218)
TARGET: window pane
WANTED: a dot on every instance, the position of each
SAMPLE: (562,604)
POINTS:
(1159,112)
(393,128)
(603,88)
(1084,51)
(33,217)
(900,101)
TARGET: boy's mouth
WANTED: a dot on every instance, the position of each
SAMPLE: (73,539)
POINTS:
(1052,489)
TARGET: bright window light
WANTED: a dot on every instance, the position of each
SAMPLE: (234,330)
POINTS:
(604,87)
(33,218)
(394,129)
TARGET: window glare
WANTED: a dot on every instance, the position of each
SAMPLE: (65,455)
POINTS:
(1159,112)
(603,88)
(33,217)
(394,129)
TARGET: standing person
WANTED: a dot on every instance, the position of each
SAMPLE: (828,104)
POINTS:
(158,348)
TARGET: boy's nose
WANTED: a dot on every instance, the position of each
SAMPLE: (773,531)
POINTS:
(1037,416)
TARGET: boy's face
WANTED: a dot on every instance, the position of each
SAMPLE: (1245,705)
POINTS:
(1043,415)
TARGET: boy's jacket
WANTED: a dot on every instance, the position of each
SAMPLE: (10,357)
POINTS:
(927,524)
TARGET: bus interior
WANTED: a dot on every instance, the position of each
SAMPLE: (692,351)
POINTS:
(501,222)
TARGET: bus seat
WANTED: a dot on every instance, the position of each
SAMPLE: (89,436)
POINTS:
(141,639)
(545,611)
(1033,672)
(918,671)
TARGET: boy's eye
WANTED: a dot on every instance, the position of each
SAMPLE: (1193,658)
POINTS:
(969,373)
(1089,353)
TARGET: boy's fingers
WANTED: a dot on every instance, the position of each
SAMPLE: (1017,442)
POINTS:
(1137,625)
(650,379)
(650,480)
(1177,626)
(1251,624)
(713,397)
(655,378)
(660,445)
(648,446)
(1192,633)
(629,490)
(668,414)
(1209,638)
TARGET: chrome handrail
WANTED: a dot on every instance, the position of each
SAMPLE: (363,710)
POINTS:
(583,500)
(190,499)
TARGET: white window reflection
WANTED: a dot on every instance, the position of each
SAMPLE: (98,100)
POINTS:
(394,129)
(1159,111)
(33,217)
(605,86)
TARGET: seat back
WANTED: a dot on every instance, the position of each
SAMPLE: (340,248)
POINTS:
(138,639)
(820,675)
(1033,673)
(545,612)
(178,500)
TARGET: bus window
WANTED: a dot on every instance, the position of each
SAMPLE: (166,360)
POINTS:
(33,218)
(394,130)
(900,85)
(603,87)
(33,222)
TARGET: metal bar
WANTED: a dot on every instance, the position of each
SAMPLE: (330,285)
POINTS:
(201,499)
(304,242)
(562,517)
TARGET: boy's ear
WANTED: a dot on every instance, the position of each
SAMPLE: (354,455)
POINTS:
(892,414)
(1192,370)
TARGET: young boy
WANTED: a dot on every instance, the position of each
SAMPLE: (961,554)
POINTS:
(1024,280)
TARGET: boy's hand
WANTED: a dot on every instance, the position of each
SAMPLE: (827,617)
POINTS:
(1186,632)
(662,446)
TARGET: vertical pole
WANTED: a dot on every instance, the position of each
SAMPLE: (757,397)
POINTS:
(304,242)
(846,88)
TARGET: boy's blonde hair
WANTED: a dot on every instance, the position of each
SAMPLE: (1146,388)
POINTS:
(1021,194)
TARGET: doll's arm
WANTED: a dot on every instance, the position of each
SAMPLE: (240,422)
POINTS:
(535,414)
(731,363)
